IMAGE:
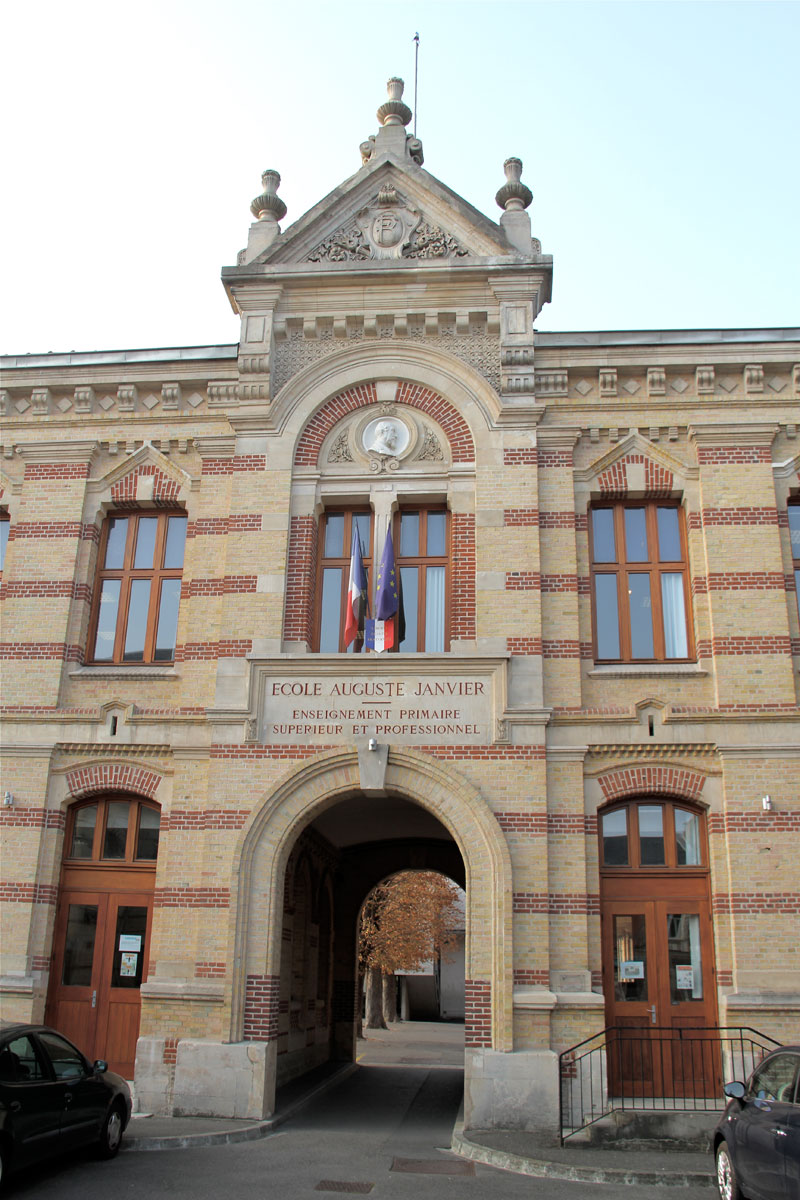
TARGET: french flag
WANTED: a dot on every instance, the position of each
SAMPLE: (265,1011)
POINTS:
(356,593)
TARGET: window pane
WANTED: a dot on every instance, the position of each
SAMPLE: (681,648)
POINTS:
(115,546)
(641,616)
(116,829)
(685,967)
(615,838)
(129,947)
(409,535)
(437,528)
(83,832)
(410,578)
(334,536)
(4,528)
(145,543)
(331,609)
(669,535)
(66,1061)
(651,835)
(147,839)
(674,614)
(794,529)
(21,1063)
(363,522)
(687,838)
(434,609)
(603,545)
(630,957)
(797,589)
(636,535)
(79,945)
(167,620)
(176,542)
(137,621)
(775,1080)
(605,602)
(107,620)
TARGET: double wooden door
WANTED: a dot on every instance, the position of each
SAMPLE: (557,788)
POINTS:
(659,988)
(101,945)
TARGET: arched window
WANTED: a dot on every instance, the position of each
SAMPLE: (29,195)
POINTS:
(113,829)
(655,833)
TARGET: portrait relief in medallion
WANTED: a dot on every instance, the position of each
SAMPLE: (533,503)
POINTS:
(385,435)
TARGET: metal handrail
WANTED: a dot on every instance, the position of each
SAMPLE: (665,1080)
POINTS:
(658,1078)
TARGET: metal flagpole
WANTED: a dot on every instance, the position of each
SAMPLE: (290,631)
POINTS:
(416,76)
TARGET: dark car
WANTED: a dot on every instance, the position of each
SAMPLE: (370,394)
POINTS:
(757,1140)
(52,1099)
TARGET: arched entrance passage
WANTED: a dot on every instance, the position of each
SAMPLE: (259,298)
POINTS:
(424,815)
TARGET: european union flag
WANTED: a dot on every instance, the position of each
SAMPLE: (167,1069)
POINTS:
(389,599)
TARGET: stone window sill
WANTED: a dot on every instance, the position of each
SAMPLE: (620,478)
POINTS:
(118,671)
(638,670)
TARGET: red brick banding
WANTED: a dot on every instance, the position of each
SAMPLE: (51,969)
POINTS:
(210,970)
(112,777)
(530,977)
(221,526)
(725,978)
(28,893)
(785,903)
(572,823)
(556,903)
(45,589)
(262,995)
(745,581)
(566,648)
(226,585)
(557,520)
(477,1013)
(522,456)
(520,516)
(773,821)
(733,455)
(234,465)
(170,1055)
(778,644)
(462,602)
(740,515)
(192,897)
(486,753)
(559,583)
(165,490)
(656,780)
(524,645)
(212,818)
(523,581)
(56,471)
(31,818)
(300,577)
(524,824)
(555,458)
(44,529)
(211,651)
(41,650)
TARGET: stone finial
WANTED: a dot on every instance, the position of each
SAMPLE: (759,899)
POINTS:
(394,111)
(269,206)
(513,195)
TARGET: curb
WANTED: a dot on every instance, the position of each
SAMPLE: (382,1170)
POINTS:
(548,1169)
(248,1133)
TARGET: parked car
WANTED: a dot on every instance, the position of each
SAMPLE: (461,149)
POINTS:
(757,1139)
(53,1099)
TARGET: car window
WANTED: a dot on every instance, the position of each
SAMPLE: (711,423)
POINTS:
(775,1080)
(67,1062)
(19,1062)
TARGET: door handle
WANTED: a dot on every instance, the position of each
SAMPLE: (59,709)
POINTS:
(652,1014)
(15,1106)
(94,999)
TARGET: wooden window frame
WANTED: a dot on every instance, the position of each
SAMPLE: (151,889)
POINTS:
(128,574)
(794,506)
(425,560)
(653,567)
(5,521)
(670,864)
(135,806)
(341,562)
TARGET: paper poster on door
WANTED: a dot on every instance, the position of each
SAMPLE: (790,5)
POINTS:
(684,979)
(130,941)
(128,964)
(631,970)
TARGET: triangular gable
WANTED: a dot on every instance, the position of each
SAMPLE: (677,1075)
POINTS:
(636,467)
(145,477)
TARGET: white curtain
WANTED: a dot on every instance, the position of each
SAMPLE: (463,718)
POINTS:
(434,609)
(694,948)
(675,644)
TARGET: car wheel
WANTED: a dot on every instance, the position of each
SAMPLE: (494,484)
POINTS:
(727,1182)
(111,1136)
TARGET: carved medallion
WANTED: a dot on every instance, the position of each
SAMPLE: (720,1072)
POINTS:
(388,223)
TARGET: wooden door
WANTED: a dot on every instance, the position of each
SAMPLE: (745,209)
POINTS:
(659,987)
(101,944)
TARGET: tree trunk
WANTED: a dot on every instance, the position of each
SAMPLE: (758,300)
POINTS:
(389,997)
(374,1007)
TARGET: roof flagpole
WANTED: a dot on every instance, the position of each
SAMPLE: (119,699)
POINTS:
(416,76)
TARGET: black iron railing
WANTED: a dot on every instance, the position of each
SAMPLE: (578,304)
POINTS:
(654,1069)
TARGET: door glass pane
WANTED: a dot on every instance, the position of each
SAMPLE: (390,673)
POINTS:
(434,609)
(147,838)
(687,838)
(107,620)
(4,528)
(683,948)
(630,957)
(167,620)
(145,543)
(615,838)
(410,580)
(128,963)
(651,835)
(409,535)
(115,546)
(437,526)
(641,616)
(116,829)
(137,620)
(603,545)
(331,610)
(334,535)
(794,529)
(669,535)
(636,535)
(79,945)
(83,832)
(605,602)
(176,542)
(675,644)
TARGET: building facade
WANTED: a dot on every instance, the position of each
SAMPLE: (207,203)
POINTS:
(591,724)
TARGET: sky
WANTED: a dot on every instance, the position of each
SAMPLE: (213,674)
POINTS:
(660,141)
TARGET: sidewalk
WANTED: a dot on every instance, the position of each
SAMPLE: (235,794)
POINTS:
(438,1046)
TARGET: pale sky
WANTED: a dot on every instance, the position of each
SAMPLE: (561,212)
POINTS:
(661,142)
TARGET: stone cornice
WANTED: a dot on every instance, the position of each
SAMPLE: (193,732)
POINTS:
(52,452)
(734,434)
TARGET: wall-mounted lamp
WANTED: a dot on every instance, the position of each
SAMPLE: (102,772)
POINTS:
(373,743)
(766,803)
(8,800)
